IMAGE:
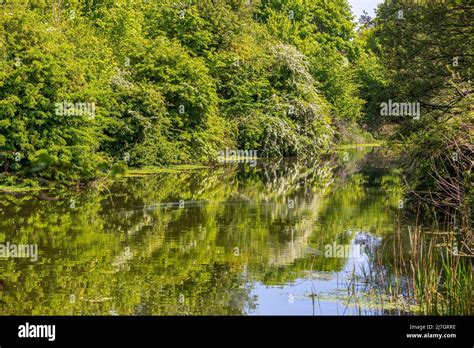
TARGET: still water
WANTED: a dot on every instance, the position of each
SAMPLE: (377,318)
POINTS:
(280,238)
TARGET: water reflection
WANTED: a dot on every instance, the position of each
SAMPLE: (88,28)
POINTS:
(229,240)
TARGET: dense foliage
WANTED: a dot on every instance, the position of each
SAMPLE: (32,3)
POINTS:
(87,87)
(91,87)
(423,54)
(170,82)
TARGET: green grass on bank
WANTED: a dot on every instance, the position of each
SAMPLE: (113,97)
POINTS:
(150,170)
(18,188)
(13,184)
(355,146)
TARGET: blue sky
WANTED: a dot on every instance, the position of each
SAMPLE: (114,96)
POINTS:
(360,5)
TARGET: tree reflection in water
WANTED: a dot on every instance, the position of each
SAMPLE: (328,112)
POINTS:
(192,243)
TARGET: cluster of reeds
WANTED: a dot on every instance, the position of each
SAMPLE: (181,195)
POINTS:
(429,272)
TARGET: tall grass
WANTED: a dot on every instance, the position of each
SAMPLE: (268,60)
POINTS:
(428,270)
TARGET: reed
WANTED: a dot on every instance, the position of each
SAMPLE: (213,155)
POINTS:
(430,272)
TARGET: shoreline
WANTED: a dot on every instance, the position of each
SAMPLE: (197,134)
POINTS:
(28,186)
